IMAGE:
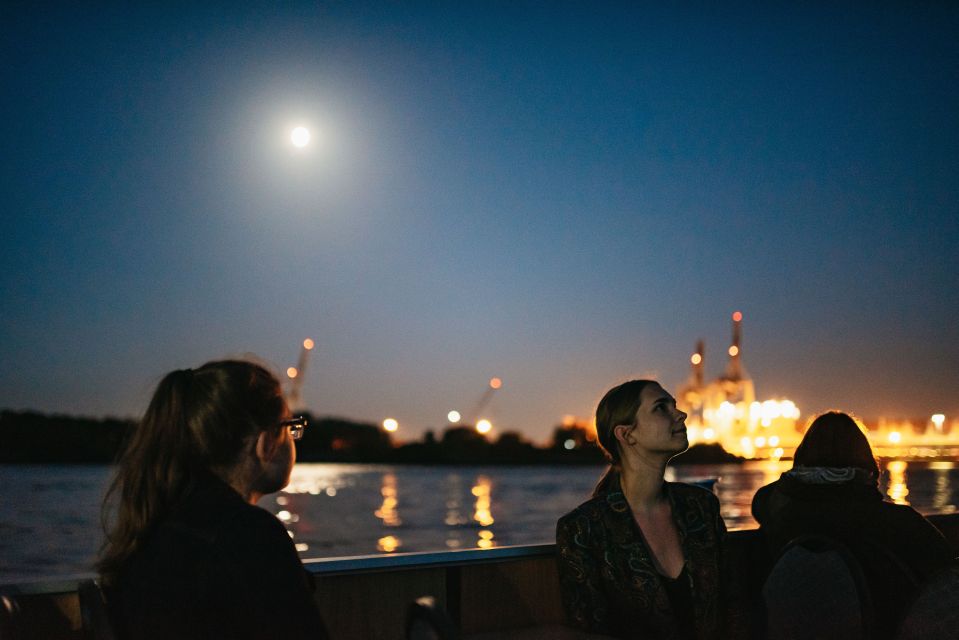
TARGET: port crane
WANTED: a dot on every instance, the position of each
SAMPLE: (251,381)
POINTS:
(296,375)
(473,417)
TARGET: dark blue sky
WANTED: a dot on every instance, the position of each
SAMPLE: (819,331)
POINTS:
(563,195)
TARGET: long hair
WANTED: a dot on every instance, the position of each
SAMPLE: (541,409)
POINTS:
(618,406)
(834,439)
(198,422)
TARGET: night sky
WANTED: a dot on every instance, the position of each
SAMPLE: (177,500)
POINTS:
(564,195)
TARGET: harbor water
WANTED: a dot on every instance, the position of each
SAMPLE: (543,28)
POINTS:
(50,514)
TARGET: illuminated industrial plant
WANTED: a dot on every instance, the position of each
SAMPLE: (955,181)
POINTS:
(726,411)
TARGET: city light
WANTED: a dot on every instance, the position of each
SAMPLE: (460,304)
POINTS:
(484,426)
(938,419)
(308,344)
(696,358)
(895,437)
(391,425)
(292,373)
(453,416)
(733,350)
(495,383)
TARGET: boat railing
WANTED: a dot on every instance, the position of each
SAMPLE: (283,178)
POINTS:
(485,591)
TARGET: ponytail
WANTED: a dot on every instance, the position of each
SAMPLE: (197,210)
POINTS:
(610,476)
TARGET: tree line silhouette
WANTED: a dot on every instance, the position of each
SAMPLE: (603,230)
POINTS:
(34,438)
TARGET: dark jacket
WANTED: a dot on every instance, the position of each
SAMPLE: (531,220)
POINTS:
(881,535)
(218,567)
(609,582)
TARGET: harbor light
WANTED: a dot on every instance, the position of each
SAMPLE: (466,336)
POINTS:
(292,373)
(938,419)
(696,358)
(484,426)
(453,416)
(391,425)
(733,350)
(308,344)
(569,445)
(895,437)
(495,383)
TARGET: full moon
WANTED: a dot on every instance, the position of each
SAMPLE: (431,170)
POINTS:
(300,137)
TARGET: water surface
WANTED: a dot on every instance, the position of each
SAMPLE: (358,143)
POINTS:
(50,522)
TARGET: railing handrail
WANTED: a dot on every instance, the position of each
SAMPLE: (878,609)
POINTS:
(332,566)
(421,559)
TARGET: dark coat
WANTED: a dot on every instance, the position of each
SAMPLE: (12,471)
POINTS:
(218,567)
(881,535)
(609,582)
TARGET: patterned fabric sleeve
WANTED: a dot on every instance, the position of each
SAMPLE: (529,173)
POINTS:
(579,574)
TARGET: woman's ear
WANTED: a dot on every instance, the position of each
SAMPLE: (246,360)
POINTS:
(267,443)
(623,434)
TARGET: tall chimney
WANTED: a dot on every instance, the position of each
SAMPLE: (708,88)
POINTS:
(734,369)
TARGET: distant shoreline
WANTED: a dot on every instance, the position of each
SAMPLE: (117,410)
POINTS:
(35,438)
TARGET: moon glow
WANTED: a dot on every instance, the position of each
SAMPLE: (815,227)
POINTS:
(300,137)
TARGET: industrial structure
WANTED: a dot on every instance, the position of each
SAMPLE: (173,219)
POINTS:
(726,411)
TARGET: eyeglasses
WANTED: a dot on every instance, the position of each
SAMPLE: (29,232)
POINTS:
(296,426)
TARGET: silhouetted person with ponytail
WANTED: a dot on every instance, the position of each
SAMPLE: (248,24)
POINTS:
(188,554)
(642,558)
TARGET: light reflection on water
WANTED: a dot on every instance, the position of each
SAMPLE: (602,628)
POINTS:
(465,507)
(49,515)
(897,490)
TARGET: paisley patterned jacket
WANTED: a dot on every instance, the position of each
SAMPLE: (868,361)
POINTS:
(608,580)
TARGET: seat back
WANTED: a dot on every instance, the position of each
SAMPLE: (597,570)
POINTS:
(425,620)
(816,590)
(935,612)
(95,613)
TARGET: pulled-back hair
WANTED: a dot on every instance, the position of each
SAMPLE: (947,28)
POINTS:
(618,406)
(834,439)
(199,421)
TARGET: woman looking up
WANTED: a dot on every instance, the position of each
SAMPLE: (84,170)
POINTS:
(189,555)
(642,558)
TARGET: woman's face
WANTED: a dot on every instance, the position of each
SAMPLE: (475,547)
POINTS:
(276,472)
(660,427)
(287,453)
